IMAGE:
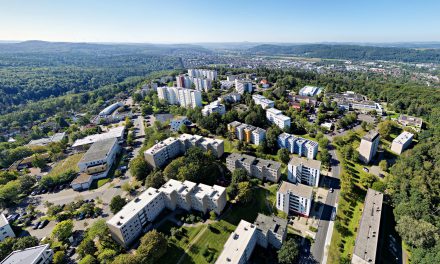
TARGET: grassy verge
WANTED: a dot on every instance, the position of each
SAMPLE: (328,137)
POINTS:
(68,164)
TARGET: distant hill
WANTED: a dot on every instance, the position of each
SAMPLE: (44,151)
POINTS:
(350,52)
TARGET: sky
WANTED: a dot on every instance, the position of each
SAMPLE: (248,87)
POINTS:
(192,21)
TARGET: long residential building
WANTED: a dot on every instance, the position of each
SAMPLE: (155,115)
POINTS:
(265,231)
(96,163)
(247,133)
(110,109)
(294,198)
(255,167)
(214,107)
(230,98)
(305,171)
(162,152)
(263,101)
(367,239)
(402,142)
(5,228)
(42,254)
(298,145)
(128,224)
(202,73)
(243,86)
(368,146)
(276,116)
(180,96)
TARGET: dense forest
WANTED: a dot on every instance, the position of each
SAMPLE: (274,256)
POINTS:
(350,52)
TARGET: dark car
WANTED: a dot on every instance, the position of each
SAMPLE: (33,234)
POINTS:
(36,225)
(43,224)
(70,252)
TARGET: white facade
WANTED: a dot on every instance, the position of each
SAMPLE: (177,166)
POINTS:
(402,142)
(276,116)
(201,73)
(243,86)
(181,96)
(214,107)
(5,229)
(202,84)
(297,145)
(115,132)
(128,224)
(294,198)
(310,90)
(177,122)
(263,101)
(305,171)
(368,146)
(247,133)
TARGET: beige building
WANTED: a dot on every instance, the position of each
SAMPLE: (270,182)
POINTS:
(368,147)
(205,198)
(365,247)
(305,171)
(294,198)
(402,142)
(255,167)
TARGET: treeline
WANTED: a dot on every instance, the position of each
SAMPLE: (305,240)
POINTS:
(349,52)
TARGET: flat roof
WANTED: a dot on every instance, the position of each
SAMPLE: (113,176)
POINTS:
(411,119)
(213,192)
(235,246)
(371,135)
(297,189)
(112,133)
(315,164)
(403,137)
(274,111)
(99,150)
(25,256)
(82,178)
(47,140)
(3,220)
(160,145)
(368,232)
(272,223)
(177,186)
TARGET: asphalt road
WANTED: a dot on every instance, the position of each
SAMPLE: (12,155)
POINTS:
(317,249)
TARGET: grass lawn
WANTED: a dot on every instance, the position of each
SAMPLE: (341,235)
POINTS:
(69,163)
(101,182)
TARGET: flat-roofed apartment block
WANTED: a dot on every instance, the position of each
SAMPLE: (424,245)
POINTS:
(243,86)
(368,146)
(96,163)
(294,198)
(272,231)
(247,133)
(5,228)
(214,107)
(298,145)
(42,254)
(240,244)
(177,122)
(178,194)
(255,167)
(305,171)
(402,142)
(128,223)
(161,153)
(276,116)
(263,101)
(411,121)
(205,198)
(365,247)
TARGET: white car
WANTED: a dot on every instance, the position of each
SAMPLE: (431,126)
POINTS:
(330,190)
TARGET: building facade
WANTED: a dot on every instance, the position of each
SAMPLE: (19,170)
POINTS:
(276,116)
(259,168)
(297,145)
(411,121)
(263,101)
(247,133)
(180,96)
(5,229)
(243,86)
(368,146)
(310,90)
(214,107)
(402,142)
(294,198)
(305,171)
(177,122)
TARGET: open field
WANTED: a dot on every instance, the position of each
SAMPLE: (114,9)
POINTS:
(68,164)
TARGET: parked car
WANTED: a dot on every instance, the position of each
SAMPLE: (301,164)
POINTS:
(36,226)
(366,169)
(70,252)
(331,190)
(43,224)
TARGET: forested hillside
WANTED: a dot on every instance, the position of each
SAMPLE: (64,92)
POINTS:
(350,52)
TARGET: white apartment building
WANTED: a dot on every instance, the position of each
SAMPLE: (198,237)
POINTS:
(258,135)
(402,142)
(243,86)
(96,163)
(201,73)
(294,198)
(368,146)
(263,101)
(255,167)
(177,122)
(247,133)
(230,97)
(310,90)
(42,254)
(202,84)
(298,145)
(184,81)
(271,230)
(162,152)
(129,223)
(305,171)
(240,244)
(276,116)
(5,229)
(214,107)
(180,96)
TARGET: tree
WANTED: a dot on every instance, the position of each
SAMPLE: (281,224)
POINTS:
(326,157)
(130,138)
(38,161)
(153,246)
(283,155)
(128,122)
(289,252)
(127,259)
(63,230)
(239,175)
(244,194)
(383,164)
(59,257)
(418,233)
(88,259)
(272,138)
(117,203)
(155,179)
(212,215)
(86,247)
(139,168)
(107,256)
(384,128)
(25,242)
